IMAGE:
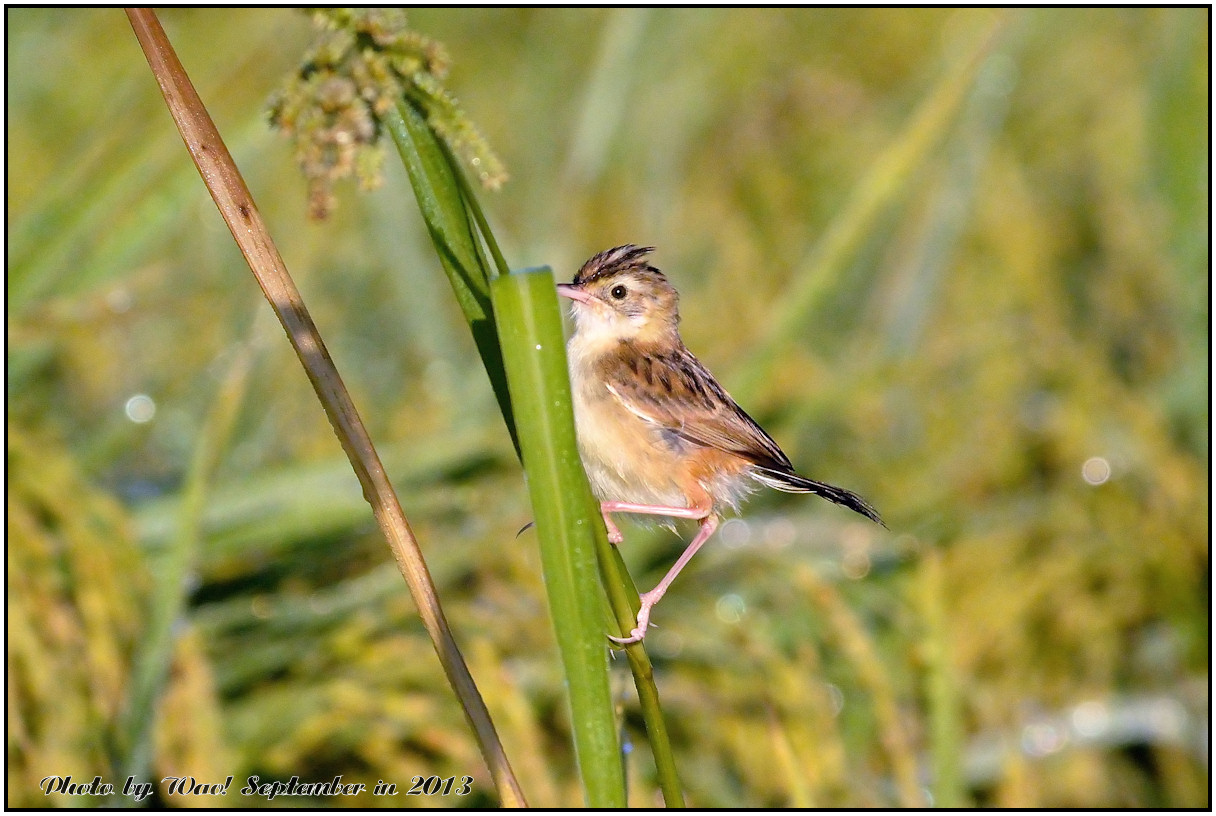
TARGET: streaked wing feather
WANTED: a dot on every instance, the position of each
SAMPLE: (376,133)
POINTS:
(675,392)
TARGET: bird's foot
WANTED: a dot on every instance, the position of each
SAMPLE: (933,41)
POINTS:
(639,631)
(614,534)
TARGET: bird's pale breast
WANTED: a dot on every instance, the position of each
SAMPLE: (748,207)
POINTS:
(626,458)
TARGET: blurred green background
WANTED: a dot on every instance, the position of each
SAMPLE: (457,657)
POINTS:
(969,282)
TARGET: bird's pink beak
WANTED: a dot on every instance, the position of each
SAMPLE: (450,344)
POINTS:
(573,292)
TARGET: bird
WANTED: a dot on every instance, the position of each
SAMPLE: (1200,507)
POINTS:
(657,434)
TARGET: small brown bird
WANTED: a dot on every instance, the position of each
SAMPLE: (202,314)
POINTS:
(657,434)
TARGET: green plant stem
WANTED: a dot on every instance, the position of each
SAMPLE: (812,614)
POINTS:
(656,725)
(566,514)
(624,602)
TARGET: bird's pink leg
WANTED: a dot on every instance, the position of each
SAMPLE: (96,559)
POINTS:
(709,523)
(614,534)
(655,510)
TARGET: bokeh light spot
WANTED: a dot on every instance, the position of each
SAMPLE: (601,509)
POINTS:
(140,408)
(1096,470)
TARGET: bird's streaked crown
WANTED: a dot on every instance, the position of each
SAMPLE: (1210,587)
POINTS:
(611,262)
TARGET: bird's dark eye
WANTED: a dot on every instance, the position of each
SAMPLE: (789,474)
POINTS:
(619,292)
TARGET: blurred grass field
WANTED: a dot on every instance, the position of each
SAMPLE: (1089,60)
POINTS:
(989,317)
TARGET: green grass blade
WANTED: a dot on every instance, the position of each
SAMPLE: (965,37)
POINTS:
(567,521)
(439,194)
(479,217)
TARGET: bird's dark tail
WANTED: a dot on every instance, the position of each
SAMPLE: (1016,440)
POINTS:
(793,483)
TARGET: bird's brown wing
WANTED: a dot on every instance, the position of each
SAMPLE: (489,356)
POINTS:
(672,390)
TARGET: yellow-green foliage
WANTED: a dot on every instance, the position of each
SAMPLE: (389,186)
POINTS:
(989,317)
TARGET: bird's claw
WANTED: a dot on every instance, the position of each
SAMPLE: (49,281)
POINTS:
(614,535)
(639,631)
(634,637)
